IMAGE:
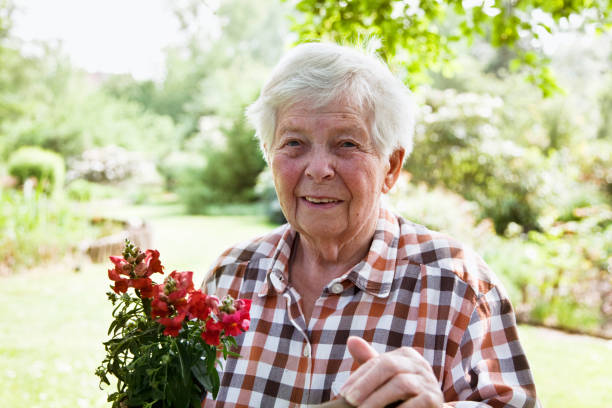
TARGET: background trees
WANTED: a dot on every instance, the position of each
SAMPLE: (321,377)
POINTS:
(423,35)
(530,155)
(526,163)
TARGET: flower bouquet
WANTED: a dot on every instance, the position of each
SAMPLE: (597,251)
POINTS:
(166,338)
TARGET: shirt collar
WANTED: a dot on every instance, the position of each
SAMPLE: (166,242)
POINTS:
(373,275)
(277,276)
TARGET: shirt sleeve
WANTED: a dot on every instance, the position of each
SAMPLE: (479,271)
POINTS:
(490,368)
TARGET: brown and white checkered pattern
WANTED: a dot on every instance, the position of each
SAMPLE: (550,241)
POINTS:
(415,288)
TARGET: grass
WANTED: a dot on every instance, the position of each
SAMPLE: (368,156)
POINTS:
(569,370)
(54,320)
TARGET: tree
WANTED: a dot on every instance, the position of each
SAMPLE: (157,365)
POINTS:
(419,35)
(6,10)
(233,67)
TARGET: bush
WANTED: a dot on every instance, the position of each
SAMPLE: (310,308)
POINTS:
(45,166)
(561,277)
(459,145)
(83,190)
(177,167)
(77,118)
(266,193)
(438,209)
(230,173)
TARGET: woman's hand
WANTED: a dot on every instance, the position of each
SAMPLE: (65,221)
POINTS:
(399,375)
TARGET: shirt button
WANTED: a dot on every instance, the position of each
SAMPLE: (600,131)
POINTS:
(307,350)
(337,288)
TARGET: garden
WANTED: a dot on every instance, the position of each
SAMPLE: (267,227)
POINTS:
(513,155)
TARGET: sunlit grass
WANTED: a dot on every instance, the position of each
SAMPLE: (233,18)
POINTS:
(54,320)
(53,323)
(570,370)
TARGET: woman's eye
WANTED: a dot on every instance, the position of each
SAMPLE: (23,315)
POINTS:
(293,143)
(347,143)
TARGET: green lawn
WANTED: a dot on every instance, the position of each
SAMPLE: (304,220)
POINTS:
(569,370)
(53,322)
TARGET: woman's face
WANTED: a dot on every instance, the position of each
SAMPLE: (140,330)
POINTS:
(327,171)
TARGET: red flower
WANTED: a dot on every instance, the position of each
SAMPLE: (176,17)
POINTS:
(121,285)
(177,285)
(121,265)
(235,323)
(152,262)
(212,333)
(169,299)
(198,305)
(243,305)
(145,285)
(213,302)
(172,325)
(137,276)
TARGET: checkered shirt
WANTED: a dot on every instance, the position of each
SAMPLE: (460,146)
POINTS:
(415,288)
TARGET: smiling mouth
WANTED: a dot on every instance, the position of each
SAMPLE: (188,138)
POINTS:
(317,200)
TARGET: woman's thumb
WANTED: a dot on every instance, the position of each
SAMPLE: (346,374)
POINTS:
(360,349)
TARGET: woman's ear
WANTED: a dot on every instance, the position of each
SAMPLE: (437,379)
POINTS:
(396,159)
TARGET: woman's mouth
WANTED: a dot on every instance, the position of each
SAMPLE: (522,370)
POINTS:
(321,202)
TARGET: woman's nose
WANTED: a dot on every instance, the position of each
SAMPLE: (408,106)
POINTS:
(320,166)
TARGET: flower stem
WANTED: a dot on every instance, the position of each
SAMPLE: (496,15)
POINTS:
(146,305)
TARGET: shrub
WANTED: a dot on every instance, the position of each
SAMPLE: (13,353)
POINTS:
(103,164)
(83,190)
(561,277)
(230,172)
(45,166)
(266,193)
(438,209)
(177,166)
(459,145)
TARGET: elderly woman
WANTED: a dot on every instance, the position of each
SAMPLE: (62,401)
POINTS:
(350,301)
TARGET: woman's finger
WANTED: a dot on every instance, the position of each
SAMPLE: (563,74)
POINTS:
(400,387)
(429,399)
(360,350)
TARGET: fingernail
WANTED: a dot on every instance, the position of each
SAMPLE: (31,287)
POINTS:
(352,398)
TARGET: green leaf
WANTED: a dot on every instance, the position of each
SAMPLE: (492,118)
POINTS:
(200,373)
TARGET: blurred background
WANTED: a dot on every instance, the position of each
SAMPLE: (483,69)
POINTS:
(126,119)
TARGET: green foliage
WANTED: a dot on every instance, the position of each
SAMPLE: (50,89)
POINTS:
(165,338)
(84,190)
(178,166)
(26,225)
(420,35)
(45,166)
(6,9)
(152,369)
(230,173)
(47,103)
(266,194)
(458,144)
(560,277)
(438,209)
(79,120)
(172,98)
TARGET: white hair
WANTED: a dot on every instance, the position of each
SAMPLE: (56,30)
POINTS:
(321,73)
